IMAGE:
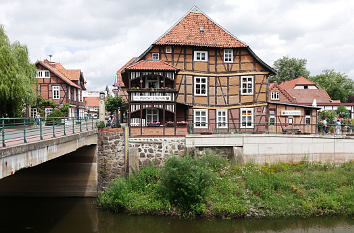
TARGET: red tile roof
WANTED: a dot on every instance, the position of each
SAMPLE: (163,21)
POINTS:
(119,81)
(199,30)
(92,101)
(151,65)
(59,71)
(303,96)
(306,96)
(297,81)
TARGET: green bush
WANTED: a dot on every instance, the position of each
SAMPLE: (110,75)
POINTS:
(185,183)
(100,125)
(55,117)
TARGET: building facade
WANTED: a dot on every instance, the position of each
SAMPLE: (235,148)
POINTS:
(200,75)
(62,86)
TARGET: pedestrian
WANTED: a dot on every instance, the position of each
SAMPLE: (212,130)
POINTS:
(338,128)
(325,126)
(38,118)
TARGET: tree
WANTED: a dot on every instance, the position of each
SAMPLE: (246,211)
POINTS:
(17,77)
(288,69)
(112,105)
(337,85)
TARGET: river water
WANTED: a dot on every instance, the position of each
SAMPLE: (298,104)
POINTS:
(80,215)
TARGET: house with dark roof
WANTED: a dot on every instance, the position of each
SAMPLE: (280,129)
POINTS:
(196,72)
(62,86)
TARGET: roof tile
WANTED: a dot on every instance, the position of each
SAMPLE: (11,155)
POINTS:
(151,65)
(199,30)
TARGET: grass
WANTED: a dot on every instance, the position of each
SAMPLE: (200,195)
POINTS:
(210,186)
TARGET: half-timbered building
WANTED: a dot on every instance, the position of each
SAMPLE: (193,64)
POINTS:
(62,86)
(199,73)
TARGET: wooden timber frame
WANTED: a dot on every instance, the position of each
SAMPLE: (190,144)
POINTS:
(152,105)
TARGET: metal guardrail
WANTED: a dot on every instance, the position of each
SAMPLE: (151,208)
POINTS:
(269,128)
(23,130)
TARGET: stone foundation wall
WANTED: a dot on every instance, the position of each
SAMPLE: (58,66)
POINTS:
(110,156)
(147,151)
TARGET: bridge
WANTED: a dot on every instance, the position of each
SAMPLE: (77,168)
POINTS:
(48,145)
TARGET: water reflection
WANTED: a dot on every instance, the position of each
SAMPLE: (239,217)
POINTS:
(76,215)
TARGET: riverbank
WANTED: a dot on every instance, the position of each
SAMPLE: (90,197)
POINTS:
(210,186)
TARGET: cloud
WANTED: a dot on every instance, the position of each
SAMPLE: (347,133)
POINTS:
(100,36)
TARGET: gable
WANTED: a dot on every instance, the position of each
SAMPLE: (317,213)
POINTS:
(197,29)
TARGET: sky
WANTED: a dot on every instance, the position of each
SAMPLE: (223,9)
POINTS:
(99,36)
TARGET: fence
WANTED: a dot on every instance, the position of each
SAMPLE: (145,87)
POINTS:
(236,127)
(23,130)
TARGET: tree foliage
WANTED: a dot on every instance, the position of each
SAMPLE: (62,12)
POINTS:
(17,77)
(337,85)
(289,68)
(113,103)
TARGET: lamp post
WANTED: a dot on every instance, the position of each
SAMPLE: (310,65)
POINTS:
(102,109)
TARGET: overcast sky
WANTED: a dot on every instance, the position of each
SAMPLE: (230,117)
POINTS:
(99,36)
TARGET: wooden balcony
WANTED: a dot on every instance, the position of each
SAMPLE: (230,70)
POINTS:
(152,95)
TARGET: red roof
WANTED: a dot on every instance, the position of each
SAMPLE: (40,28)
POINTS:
(59,71)
(92,101)
(151,65)
(303,96)
(306,96)
(119,81)
(199,30)
(298,81)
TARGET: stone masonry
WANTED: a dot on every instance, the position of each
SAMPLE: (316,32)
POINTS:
(110,156)
(156,150)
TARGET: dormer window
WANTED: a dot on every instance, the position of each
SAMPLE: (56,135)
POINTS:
(155,56)
(168,49)
(274,95)
(43,74)
(200,55)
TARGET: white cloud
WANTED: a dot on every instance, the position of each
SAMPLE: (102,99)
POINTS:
(100,36)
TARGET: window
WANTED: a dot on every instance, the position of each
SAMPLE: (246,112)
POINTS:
(74,94)
(43,74)
(290,120)
(69,93)
(308,120)
(221,118)
(33,112)
(308,117)
(155,56)
(200,118)
(246,118)
(200,56)
(200,86)
(228,55)
(78,93)
(271,117)
(247,85)
(152,115)
(56,92)
(168,49)
(274,95)
(152,82)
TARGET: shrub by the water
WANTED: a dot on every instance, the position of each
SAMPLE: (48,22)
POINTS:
(185,183)
(210,186)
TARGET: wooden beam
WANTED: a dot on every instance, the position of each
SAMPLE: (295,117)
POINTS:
(221,75)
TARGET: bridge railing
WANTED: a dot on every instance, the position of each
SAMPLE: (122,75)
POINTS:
(15,131)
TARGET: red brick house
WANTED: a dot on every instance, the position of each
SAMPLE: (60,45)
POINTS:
(62,86)
(197,72)
(92,105)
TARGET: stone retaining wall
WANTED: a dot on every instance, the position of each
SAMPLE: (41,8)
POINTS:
(147,151)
